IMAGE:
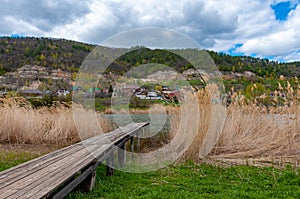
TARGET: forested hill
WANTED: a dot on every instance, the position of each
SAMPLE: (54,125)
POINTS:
(68,55)
(56,53)
(262,67)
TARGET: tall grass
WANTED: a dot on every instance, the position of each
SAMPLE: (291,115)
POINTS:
(253,134)
(204,103)
(250,130)
(253,131)
(23,124)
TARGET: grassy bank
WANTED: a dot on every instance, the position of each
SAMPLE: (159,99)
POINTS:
(186,180)
(190,180)
(14,154)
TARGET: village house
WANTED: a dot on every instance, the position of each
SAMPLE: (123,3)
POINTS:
(34,93)
(62,92)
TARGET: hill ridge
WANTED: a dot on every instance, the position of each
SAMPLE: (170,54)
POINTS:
(68,55)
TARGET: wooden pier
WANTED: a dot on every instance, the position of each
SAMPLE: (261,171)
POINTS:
(56,174)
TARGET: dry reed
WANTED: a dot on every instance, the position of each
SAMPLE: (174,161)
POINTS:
(253,131)
(22,124)
(253,134)
(250,130)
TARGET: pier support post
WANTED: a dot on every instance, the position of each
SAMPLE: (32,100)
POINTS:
(138,145)
(122,155)
(131,144)
(110,164)
(89,183)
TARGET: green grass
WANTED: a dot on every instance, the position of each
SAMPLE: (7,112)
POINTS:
(10,159)
(197,181)
(186,180)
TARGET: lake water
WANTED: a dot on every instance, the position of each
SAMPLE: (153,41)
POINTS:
(159,123)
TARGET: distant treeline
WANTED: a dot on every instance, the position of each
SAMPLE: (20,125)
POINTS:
(56,53)
(68,55)
(262,67)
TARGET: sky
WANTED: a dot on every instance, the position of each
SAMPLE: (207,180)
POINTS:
(260,28)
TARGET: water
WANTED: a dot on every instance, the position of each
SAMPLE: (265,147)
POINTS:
(159,123)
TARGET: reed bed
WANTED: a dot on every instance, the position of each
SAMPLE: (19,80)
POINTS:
(22,124)
(253,134)
(251,130)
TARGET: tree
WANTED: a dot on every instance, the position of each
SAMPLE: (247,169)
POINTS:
(255,90)
(158,87)
(42,57)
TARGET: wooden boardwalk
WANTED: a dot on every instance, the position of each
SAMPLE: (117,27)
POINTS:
(56,174)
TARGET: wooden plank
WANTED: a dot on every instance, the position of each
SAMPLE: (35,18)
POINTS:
(62,193)
(51,184)
(60,172)
(52,167)
(53,176)
(9,176)
(68,188)
(37,164)
(18,173)
(131,130)
(128,129)
(34,161)
(31,180)
(105,136)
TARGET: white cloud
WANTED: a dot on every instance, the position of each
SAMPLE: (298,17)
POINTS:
(292,2)
(279,40)
(202,21)
(215,24)
(90,26)
(19,26)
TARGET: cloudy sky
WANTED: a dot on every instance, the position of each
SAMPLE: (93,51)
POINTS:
(262,28)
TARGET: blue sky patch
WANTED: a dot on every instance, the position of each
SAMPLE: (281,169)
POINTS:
(282,10)
(232,51)
(17,36)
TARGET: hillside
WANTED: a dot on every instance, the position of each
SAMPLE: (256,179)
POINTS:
(262,67)
(68,55)
(48,52)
